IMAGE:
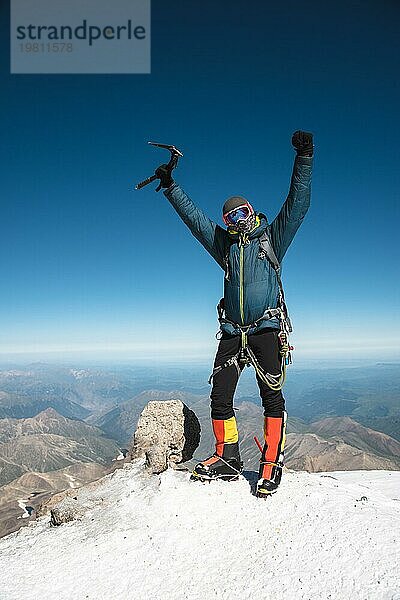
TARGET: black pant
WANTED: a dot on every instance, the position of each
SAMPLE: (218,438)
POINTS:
(265,345)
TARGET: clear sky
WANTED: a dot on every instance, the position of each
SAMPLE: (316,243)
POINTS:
(88,264)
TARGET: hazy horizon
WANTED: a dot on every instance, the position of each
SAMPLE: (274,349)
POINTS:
(90,360)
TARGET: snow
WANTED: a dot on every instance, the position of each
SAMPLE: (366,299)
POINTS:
(168,538)
(79,373)
(72,480)
(22,504)
(13,373)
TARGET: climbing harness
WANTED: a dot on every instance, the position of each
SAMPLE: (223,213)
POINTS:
(245,357)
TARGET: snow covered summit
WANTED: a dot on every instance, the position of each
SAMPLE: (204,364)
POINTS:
(163,537)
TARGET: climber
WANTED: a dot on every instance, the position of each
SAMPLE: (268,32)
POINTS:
(254,323)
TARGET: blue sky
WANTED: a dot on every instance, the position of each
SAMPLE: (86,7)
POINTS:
(89,265)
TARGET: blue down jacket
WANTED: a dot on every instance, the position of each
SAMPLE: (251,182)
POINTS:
(251,284)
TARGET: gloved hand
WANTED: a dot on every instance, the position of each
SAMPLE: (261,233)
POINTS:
(163,172)
(303,143)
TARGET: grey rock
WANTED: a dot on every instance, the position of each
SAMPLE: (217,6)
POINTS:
(168,433)
(67,510)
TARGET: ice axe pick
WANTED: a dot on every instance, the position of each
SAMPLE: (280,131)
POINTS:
(173,161)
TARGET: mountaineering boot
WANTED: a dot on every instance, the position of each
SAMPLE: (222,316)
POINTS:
(266,487)
(228,466)
(271,463)
(225,463)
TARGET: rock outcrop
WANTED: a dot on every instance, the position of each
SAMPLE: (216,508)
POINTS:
(67,510)
(167,433)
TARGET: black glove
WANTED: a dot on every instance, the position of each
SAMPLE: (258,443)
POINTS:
(164,175)
(303,143)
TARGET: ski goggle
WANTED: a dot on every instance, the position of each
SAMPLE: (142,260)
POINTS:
(241,213)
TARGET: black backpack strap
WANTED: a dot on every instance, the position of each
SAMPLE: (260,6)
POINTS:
(268,251)
(228,243)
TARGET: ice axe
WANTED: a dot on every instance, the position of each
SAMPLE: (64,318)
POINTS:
(175,154)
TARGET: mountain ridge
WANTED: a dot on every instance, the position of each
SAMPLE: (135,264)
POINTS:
(50,441)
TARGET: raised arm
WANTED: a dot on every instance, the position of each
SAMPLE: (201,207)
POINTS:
(292,213)
(208,233)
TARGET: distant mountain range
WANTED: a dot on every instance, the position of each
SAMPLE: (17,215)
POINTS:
(21,406)
(48,442)
(44,454)
(369,395)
